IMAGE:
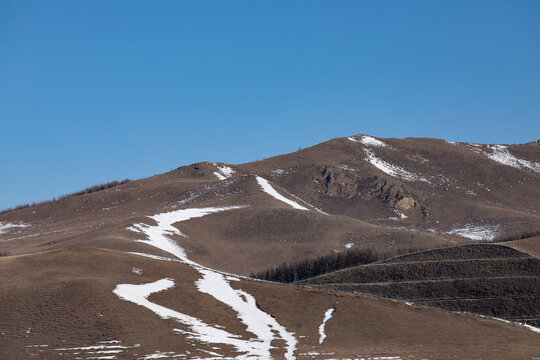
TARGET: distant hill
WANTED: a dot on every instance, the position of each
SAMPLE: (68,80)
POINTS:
(154,268)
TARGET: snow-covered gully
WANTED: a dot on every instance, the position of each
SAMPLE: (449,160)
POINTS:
(262,325)
(384,166)
(327,316)
(267,188)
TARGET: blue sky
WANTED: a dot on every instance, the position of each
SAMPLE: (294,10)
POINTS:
(92,91)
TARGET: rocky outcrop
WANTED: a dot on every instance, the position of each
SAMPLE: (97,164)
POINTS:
(346,183)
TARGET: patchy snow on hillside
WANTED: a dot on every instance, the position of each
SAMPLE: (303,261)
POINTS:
(278,172)
(349,245)
(102,350)
(391,169)
(476,232)
(500,154)
(371,141)
(267,188)
(399,213)
(367,140)
(327,316)
(224,172)
(6,226)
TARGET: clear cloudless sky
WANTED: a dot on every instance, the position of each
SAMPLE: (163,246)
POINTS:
(92,91)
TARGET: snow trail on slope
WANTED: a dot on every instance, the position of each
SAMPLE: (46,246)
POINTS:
(327,316)
(501,155)
(261,324)
(224,172)
(391,169)
(476,232)
(368,141)
(384,166)
(267,188)
(158,234)
(201,331)
(526,326)
(257,321)
(5,226)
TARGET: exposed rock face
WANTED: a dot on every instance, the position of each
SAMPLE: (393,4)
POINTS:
(348,184)
(406,204)
(410,207)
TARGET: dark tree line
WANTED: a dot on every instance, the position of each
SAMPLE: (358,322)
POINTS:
(304,269)
(88,190)
(98,187)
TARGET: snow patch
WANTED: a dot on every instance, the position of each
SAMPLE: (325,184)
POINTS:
(349,245)
(400,214)
(278,172)
(103,350)
(371,141)
(327,316)
(527,326)
(136,271)
(224,172)
(267,188)
(367,140)
(476,232)
(391,169)
(6,226)
(500,154)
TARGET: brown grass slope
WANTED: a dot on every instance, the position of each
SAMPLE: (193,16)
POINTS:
(64,299)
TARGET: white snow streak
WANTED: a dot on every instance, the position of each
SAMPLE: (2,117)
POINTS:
(476,232)
(267,188)
(384,166)
(400,214)
(391,169)
(261,324)
(158,235)
(500,154)
(257,321)
(5,226)
(367,140)
(104,347)
(371,141)
(527,326)
(201,331)
(224,172)
(349,245)
(327,316)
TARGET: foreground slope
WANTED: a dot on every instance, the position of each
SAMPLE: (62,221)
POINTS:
(61,304)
